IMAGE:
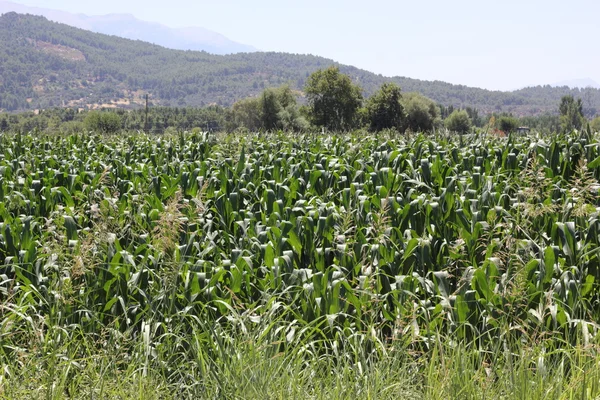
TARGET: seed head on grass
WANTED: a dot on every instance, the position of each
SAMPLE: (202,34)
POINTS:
(583,190)
(535,191)
(382,223)
(167,229)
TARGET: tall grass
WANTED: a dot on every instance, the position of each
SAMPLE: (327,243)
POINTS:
(259,359)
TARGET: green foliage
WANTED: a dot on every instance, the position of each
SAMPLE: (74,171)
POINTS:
(333,99)
(212,118)
(283,112)
(476,119)
(66,120)
(247,113)
(290,119)
(270,109)
(571,113)
(102,122)
(549,123)
(458,121)
(266,357)
(362,117)
(508,123)
(385,111)
(595,125)
(214,264)
(275,109)
(422,114)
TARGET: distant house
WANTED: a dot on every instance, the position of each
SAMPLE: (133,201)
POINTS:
(523,129)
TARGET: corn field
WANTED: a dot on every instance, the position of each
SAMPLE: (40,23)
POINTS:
(334,239)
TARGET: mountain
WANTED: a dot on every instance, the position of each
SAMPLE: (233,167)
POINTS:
(45,64)
(579,83)
(127,26)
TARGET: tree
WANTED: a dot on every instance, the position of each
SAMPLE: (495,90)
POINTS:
(422,114)
(508,124)
(271,107)
(384,109)
(290,119)
(280,110)
(473,113)
(289,116)
(333,99)
(103,122)
(571,113)
(276,108)
(285,96)
(247,113)
(458,121)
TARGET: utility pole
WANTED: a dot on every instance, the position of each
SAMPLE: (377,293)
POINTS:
(146,120)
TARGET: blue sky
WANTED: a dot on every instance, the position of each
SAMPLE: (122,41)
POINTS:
(487,43)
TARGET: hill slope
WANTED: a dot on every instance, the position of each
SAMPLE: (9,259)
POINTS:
(45,64)
(127,26)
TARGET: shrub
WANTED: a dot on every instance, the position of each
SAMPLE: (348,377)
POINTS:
(458,121)
(103,122)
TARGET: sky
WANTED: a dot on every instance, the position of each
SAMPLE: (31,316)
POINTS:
(493,44)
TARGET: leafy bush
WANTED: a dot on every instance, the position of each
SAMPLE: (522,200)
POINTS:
(102,122)
(422,113)
(458,121)
(508,124)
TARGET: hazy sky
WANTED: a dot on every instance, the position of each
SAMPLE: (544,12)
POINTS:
(486,43)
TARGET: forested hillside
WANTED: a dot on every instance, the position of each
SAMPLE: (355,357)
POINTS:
(45,64)
(128,26)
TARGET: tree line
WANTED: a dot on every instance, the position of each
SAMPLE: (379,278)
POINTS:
(331,101)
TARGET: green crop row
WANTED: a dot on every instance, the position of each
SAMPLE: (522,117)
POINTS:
(409,238)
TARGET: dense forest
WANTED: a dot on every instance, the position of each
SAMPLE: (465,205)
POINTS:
(45,64)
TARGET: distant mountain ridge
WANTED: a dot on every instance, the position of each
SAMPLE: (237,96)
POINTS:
(129,27)
(579,83)
(47,64)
